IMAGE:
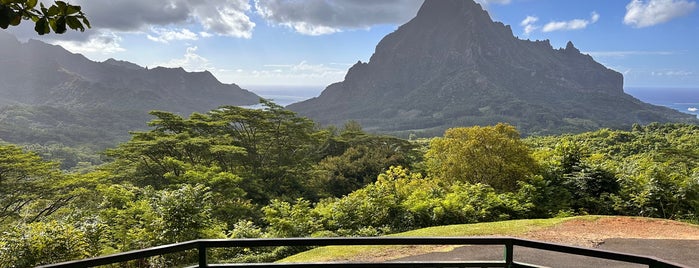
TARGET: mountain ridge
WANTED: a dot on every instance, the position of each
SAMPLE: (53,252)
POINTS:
(49,95)
(452,65)
(37,73)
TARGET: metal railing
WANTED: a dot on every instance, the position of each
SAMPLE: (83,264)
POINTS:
(507,242)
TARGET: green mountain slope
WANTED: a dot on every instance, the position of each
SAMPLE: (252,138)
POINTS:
(49,95)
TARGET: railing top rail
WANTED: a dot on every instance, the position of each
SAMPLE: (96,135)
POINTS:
(356,241)
(360,241)
(129,255)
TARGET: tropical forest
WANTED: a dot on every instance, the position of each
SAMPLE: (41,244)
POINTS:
(454,120)
(253,173)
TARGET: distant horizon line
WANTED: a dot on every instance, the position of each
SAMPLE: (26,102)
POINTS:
(325,86)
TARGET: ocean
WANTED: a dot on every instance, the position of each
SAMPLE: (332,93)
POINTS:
(685,100)
(285,95)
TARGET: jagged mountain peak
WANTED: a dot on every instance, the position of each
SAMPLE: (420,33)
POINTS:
(452,65)
(441,9)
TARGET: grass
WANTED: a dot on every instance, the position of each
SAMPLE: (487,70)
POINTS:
(376,253)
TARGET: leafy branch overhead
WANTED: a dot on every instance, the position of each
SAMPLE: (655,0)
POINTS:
(57,18)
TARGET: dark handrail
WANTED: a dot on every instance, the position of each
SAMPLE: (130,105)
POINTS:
(203,244)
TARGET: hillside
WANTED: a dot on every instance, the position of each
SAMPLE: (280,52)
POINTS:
(49,95)
(453,66)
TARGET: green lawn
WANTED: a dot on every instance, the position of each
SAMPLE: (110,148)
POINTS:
(503,228)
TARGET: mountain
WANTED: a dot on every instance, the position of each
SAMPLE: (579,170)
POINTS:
(36,73)
(452,65)
(50,97)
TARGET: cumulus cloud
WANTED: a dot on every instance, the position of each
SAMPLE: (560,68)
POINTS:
(529,24)
(104,43)
(163,35)
(575,24)
(191,61)
(331,16)
(224,17)
(641,13)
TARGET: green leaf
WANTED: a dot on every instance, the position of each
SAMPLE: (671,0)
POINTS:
(44,10)
(86,22)
(53,11)
(16,20)
(61,5)
(72,9)
(5,14)
(31,4)
(74,23)
(52,23)
(60,25)
(42,26)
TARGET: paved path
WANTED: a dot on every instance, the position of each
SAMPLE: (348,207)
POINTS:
(685,252)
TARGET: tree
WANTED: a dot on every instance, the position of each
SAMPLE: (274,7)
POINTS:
(492,155)
(58,17)
(354,159)
(271,149)
(28,245)
(30,187)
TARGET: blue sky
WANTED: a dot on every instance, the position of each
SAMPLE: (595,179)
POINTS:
(312,43)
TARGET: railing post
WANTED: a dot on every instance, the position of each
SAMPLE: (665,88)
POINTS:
(509,253)
(202,255)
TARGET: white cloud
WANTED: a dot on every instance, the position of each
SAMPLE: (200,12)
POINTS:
(191,62)
(672,73)
(529,20)
(331,16)
(291,74)
(103,43)
(575,24)
(163,35)
(529,24)
(224,17)
(622,54)
(640,13)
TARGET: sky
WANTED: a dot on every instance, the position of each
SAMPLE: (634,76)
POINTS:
(312,43)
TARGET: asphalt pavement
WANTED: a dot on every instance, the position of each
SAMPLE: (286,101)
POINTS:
(684,252)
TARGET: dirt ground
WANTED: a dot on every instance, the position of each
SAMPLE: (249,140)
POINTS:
(588,233)
(669,240)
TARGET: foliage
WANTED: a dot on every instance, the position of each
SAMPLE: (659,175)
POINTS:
(649,171)
(354,158)
(237,173)
(489,155)
(39,243)
(30,188)
(399,200)
(271,149)
(57,18)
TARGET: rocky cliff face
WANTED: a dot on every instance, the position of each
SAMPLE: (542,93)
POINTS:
(452,65)
(35,73)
